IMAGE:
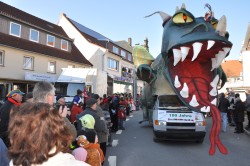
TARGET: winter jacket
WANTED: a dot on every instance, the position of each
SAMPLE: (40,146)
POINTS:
(62,159)
(4,160)
(247,103)
(239,111)
(102,136)
(4,119)
(71,128)
(99,124)
(223,105)
(93,157)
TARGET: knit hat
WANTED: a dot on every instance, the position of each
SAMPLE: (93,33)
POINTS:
(14,92)
(95,96)
(90,102)
(80,154)
(90,135)
(79,91)
(88,121)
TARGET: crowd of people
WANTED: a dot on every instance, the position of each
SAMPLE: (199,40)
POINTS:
(233,111)
(38,131)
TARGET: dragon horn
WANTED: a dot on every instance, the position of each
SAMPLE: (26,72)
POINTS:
(222,26)
(165,17)
(177,8)
(183,6)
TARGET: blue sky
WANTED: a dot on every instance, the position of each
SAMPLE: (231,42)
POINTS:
(119,20)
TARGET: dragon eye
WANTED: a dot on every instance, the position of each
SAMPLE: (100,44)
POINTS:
(182,18)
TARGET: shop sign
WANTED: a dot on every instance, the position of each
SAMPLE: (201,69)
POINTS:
(39,77)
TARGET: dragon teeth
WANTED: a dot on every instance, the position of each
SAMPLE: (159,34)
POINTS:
(213,92)
(205,109)
(184,91)
(214,102)
(210,44)
(226,50)
(184,53)
(194,102)
(197,48)
(215,81)
(177,83)
(177,56)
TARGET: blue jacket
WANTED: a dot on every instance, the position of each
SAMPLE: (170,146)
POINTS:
(4,160)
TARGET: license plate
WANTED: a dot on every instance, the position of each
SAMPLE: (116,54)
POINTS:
(180,117)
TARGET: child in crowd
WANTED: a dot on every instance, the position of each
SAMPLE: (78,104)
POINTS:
(89,141)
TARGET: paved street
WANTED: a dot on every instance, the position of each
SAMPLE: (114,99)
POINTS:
(135,147)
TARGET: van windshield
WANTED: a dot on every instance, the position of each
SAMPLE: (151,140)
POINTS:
(170,101)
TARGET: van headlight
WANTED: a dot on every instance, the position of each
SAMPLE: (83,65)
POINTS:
(162,123)
(200,123)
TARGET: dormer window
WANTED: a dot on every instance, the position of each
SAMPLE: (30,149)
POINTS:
(15,29)
(50,40)
(64,45)
(123,53)
(34,35)
(129,57)
(115,50)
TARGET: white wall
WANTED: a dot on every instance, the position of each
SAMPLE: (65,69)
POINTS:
(246,67)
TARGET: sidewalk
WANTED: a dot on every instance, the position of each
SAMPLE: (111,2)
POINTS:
(245,124)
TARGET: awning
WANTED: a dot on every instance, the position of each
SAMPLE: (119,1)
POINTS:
(76,75)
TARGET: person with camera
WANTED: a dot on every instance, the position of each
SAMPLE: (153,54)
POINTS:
(63,110)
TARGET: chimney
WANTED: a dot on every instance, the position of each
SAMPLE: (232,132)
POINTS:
(130,41)
(146,44)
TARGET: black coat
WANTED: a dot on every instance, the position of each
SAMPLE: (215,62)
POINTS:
(223,105)
(239,111)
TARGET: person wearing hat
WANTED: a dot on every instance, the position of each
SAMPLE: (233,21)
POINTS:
(102,136)
(76,108)
(14,99)
(247,104)
(89,141)
(91,105)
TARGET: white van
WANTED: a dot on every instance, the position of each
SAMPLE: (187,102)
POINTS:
(172,120)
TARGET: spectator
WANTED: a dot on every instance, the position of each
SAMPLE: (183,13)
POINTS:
(122,113)
(14,99)
(62,108)
(102,136)
(231,108)
(248,108)
(80,154)
(239,114)
(94,153)
(38,136)
(44,92)
(4,160)
(77,106)
(223,107)
(91,105)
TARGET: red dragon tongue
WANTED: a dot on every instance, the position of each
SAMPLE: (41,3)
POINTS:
(215,131)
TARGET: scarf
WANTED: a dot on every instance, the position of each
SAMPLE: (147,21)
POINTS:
(14,102)
(96,146)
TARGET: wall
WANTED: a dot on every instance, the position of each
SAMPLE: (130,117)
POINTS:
(13,64)
(246,67)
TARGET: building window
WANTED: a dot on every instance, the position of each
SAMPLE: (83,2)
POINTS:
(71,66)
(28,63)
(129,57)
(113,64)
(15,29)
(50,40)
(64,45)
(34,35)
(123,53)
(52,67)
(1,58)
(115,50)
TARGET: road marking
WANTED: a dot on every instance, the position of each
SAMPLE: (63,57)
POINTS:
(112,160)
(115,142)
(119,132)
(131,116)
(127,119)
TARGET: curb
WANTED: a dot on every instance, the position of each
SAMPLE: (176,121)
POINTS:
(247,132)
